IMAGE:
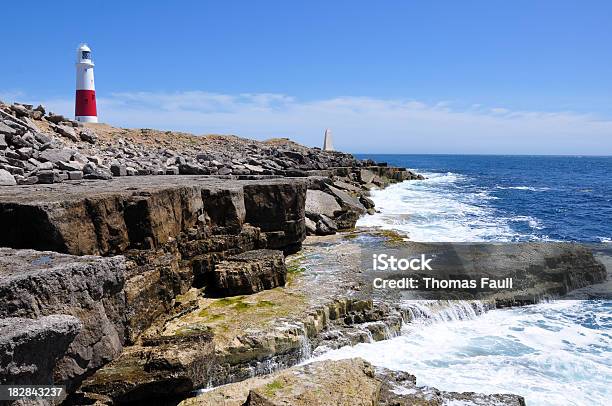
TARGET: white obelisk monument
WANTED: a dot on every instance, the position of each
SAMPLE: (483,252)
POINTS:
(328,143)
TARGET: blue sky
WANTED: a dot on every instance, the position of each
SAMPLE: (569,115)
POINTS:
(392,76)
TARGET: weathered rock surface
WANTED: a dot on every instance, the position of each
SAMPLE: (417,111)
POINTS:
(249,272)
(162,369)
(319,202)
(35,284)
(31,348)
(106,218)
(400,389)
(536,269)
(6,179)
(347,382)
(173,232)
(347,201)
(249,333)
(277,208)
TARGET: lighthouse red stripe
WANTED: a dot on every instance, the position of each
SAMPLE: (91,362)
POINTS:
(85,104)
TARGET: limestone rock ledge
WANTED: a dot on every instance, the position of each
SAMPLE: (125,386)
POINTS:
(172,232)
(36,284)
(30,349)
(109,217)
(350,382)
(249,272)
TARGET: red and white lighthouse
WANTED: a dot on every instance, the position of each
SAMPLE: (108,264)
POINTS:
(85,102)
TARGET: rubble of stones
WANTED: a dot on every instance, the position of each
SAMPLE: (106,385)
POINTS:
(41,147)
(38,147)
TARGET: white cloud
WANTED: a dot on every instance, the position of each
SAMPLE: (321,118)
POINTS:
(360,124)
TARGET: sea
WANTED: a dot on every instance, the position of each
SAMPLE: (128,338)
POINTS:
(552,353)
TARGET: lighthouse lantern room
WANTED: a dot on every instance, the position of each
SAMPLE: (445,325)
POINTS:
(85,101)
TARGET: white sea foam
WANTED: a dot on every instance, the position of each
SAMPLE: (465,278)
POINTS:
(542,352)
(439,209)
(538,352)
(527,188)
(533,222)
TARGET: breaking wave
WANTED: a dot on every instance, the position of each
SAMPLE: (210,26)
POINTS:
(549,353)
(446,207)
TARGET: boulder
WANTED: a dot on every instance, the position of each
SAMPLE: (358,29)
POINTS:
(42,138)
(346,200)
(326,226)
(41,109)
(75,175)
(44,166)
(254,168)
(25,152)
(48,177)
(224,171)
(346,220)
(88,135)
(57,155)
(30,180)
(6,129)
(367,202)
(34,284)
(19,141)
(189,169)
(346,186)
(172,170)
(67,132)
(311,226)
(31,348)
(92,171)
(118,170)
(55,118)
(366,176)
(250,272)
(70,166)
(6,179)
(164,369)
(319,202)
(13,170)
(21,110)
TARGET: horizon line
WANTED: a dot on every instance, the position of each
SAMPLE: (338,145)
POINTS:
(483,154)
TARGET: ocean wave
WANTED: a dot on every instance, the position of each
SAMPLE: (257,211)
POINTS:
(527,188)
(533,222)
(443,207)
(548,353)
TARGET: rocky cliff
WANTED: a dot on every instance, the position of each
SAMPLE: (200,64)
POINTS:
(225,234)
